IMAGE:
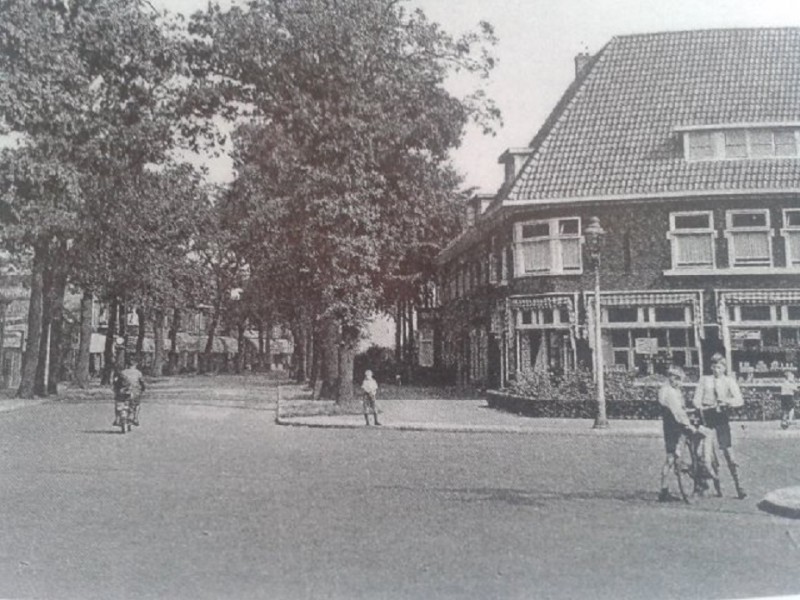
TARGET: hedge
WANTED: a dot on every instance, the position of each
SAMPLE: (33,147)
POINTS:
(573,397)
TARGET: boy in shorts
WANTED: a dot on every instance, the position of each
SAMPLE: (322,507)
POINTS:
(715,395)
(675,422)
(788,392)
(370,387)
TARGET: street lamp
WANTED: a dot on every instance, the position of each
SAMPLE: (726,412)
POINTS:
(594,234)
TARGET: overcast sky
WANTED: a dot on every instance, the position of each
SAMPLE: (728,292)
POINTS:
(538,40)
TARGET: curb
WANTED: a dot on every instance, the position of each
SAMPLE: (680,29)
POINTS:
(449,428)
(784,502)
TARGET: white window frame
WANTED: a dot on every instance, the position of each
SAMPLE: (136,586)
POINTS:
(730,233)
(718,146)
(555,240)
(691,155)
(674,236)
(787,232)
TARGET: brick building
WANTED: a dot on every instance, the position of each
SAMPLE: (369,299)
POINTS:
(686,145)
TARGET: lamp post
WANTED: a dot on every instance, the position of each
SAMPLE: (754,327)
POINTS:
(594,234)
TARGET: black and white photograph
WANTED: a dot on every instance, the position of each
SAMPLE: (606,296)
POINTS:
(399,299)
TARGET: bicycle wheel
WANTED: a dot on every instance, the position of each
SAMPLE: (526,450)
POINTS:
(685,469)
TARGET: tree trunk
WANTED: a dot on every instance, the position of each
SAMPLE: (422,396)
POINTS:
(212,328)
(85,344)
(57,333)
(122,331)
(172,368)
(158,343)
(299,353)
(30,359)
(309,348)
(347,353)
(40,383)
(330,358)
(261,345)
(108,351)
(240,341)
(398,334)
(141,316)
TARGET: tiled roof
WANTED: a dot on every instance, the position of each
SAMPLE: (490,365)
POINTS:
(613,133)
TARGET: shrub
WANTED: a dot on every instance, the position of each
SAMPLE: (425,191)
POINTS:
(572,395)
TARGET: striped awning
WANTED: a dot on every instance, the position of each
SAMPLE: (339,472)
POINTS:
(539,302)
(648,298)
(546,302)
(765,297)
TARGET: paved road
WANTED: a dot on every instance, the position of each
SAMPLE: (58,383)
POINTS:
(210,499)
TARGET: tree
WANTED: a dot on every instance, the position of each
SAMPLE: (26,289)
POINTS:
(87,84)
(351,141)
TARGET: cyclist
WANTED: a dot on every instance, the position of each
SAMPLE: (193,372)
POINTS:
(675,422)
(715,394)
(128,388)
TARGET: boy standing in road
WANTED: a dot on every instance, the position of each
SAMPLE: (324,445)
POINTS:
(370,387)
(788,392)
(675,422)
(714,396)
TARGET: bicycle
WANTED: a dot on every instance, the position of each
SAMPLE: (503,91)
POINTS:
(699,446)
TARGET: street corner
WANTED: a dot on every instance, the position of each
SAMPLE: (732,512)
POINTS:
(784,502)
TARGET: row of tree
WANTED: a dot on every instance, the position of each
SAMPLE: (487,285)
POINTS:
(341,132)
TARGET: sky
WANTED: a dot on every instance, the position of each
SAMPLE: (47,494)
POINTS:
(538,41)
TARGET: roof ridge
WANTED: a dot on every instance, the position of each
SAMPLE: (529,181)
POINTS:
(669,33)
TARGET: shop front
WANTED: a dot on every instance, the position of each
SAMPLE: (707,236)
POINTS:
(761,331)
(545,330)
(643,331)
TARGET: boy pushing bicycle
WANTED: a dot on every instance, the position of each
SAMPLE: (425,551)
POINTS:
(675,422)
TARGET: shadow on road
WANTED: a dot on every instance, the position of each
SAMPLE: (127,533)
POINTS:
(101,431)
(539,498)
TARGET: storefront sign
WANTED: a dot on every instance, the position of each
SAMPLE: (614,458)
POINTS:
(646,346)
(745,334)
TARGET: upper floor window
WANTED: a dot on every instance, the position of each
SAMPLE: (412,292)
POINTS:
(692,236)
(749,238)
(791,235)
(742,142)
(549,247)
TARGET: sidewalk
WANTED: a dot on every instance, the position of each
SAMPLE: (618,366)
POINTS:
(474,416)
(7,404)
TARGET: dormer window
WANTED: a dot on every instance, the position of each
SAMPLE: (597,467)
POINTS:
(741,142)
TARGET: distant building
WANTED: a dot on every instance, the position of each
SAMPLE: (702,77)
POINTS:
(686,145)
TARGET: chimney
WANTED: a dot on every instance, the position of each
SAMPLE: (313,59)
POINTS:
(513,159)
(476,206)
(581,60)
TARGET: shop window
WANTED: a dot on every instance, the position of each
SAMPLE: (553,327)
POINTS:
(749,238)
(549,247)
(619,339)
(755,313)
(692,236)
(622,314)
(791,236)
(677,337)
(670,313)
(770,337)
(793,313)
(789,337)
